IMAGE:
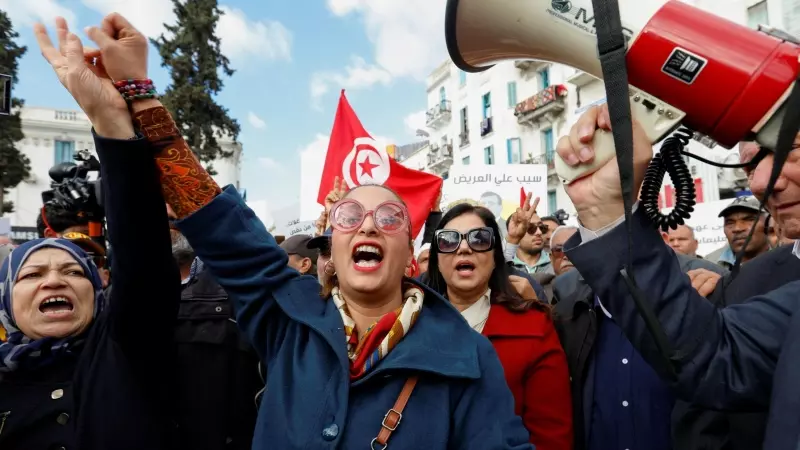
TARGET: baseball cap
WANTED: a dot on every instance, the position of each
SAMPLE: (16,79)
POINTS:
(85,242)
(95,250)
(321,241)
(748,203)
(298,245)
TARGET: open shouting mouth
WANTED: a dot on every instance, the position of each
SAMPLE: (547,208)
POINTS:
(367,256)
(56,306)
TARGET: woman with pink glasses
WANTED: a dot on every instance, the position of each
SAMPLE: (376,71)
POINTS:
(378,360)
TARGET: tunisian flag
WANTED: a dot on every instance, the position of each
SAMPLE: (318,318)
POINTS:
(359,160)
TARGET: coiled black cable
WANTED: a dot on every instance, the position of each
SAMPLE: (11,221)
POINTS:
(670,161)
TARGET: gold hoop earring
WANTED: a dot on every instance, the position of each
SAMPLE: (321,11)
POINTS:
(329,269)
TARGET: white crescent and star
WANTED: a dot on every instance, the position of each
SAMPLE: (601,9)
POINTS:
(367,163)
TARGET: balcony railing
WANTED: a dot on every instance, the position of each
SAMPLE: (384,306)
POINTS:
(581,78)
(66,115)
(545,104)
(548,158)
(531,65)
(486,126)
(439,114)
(440,157)
(463,139)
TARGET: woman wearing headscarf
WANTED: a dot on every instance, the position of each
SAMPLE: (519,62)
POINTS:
(467,266)
(379,362)
(76,373)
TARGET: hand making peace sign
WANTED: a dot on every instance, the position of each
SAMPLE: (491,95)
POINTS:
(336,194)
(519,222)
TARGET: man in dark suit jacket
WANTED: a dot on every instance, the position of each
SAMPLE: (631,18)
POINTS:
(578,321)
(701,429)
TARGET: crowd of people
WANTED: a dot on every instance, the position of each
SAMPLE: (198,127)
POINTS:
(200,330)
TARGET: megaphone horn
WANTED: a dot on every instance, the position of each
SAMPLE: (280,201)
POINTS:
(685,66)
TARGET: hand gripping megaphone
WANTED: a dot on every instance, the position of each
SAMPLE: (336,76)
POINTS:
(685,66)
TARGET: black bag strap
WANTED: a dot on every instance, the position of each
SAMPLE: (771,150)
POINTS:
(612,47)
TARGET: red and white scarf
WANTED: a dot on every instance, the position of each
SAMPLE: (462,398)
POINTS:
(374,344)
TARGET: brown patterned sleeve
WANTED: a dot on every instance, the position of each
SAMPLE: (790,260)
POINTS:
(186,185)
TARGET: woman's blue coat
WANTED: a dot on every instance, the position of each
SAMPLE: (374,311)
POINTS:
(461,401)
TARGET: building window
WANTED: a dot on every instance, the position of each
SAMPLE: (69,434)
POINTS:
(548,145)
(465,160)
(552,204)
(544,79)
(514,149)
(442,96)
(488,155)
(462,78)
(757,14)
(64,151)
(512,94)
(463,127)
(487,105)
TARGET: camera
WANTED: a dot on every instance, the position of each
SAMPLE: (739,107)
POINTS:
(72,190)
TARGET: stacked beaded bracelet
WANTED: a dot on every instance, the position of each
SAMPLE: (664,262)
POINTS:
(136,89)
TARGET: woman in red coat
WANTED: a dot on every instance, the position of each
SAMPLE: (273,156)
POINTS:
(467,266)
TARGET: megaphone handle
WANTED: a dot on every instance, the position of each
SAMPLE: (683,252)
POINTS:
(656,117)
(604,151)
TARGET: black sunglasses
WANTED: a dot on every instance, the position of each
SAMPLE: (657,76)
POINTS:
(478,239)
(543,227)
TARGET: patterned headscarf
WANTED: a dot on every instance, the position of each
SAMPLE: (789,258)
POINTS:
(18,351)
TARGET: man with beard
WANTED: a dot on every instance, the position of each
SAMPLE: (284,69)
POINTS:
(216,375)
(531,255)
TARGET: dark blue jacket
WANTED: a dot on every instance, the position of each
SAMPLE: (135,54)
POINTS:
(740,358)
(109,395)
(461,401)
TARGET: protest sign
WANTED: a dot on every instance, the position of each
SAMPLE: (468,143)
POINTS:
(288,223)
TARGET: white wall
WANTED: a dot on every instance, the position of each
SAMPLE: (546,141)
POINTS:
(42,127)
(229,170)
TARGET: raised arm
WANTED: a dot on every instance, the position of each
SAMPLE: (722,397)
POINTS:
(725,358)
(146,279)
(224,232)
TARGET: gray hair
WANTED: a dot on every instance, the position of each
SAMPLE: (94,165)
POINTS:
(691,230)
(182,251)
(560,228)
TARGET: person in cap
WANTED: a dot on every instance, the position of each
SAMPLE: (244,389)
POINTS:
(738,219)
(95,251)
(322,245)
(301,258)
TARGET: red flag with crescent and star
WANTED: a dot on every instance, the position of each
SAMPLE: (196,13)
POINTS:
(359,160)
